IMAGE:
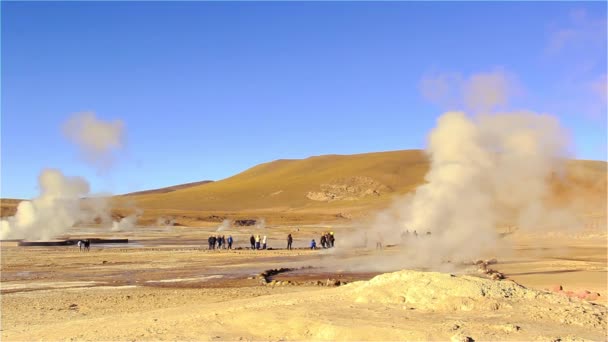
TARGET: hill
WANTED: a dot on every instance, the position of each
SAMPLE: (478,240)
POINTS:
(331,187)
(337,180)
(322,188)
(167,189)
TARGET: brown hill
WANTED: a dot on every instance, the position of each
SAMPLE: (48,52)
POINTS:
(333,187)
(321,181)
(167,189)
(321,188)
(8,206)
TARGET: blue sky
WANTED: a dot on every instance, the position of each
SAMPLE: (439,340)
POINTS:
(208,89)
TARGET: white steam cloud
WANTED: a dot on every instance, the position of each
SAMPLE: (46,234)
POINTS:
(487,170)
(484,171)
(479,93)
(165,221)
(96,139)
(127,223)
(224,226)
(57,208)
(66,201)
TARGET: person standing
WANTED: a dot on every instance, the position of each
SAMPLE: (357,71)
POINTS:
(257,241)
(264,242)
(252,242)
(230,242)
(313,244)
(289,241)
(379,241)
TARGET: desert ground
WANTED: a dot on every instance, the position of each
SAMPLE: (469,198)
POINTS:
(166,285)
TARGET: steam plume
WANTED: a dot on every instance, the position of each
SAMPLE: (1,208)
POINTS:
(96,139)
(126,223)
(486,169)
(61,203)
(57,208)
(224,226)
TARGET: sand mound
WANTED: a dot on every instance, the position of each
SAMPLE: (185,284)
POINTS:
(434,291)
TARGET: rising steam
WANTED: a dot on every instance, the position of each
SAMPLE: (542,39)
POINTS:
(65,201)
(224,226)
(487,169)
(97,140)
(57,208)
(126,223)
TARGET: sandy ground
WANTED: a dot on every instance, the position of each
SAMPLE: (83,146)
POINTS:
(166,285)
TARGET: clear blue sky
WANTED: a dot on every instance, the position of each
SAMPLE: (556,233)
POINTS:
(209,89)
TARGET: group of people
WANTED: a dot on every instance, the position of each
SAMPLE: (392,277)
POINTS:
(327,241)
(84,245)
(406,235)
(220,242)
(257,242)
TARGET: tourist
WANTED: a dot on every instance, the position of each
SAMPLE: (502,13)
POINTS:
(230,242)
(252,242)
(379,241)
(289,241)
(257,241)
(313,244)
(264,242)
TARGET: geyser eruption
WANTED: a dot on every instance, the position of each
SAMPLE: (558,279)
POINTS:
(126,223)
(57,208)
(484,171)
(61,203)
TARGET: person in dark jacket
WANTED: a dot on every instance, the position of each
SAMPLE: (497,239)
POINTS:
(289,241)
(230,240)
(211,242)
(252,241)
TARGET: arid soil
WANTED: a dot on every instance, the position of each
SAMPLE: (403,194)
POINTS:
(166,285)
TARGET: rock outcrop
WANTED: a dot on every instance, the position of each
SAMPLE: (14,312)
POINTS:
(348,189)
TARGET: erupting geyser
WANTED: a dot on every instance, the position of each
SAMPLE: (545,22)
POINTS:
(62,202)
(485,169)
(56,209)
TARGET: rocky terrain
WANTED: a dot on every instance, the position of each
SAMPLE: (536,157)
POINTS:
(166,285)
(348,189)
